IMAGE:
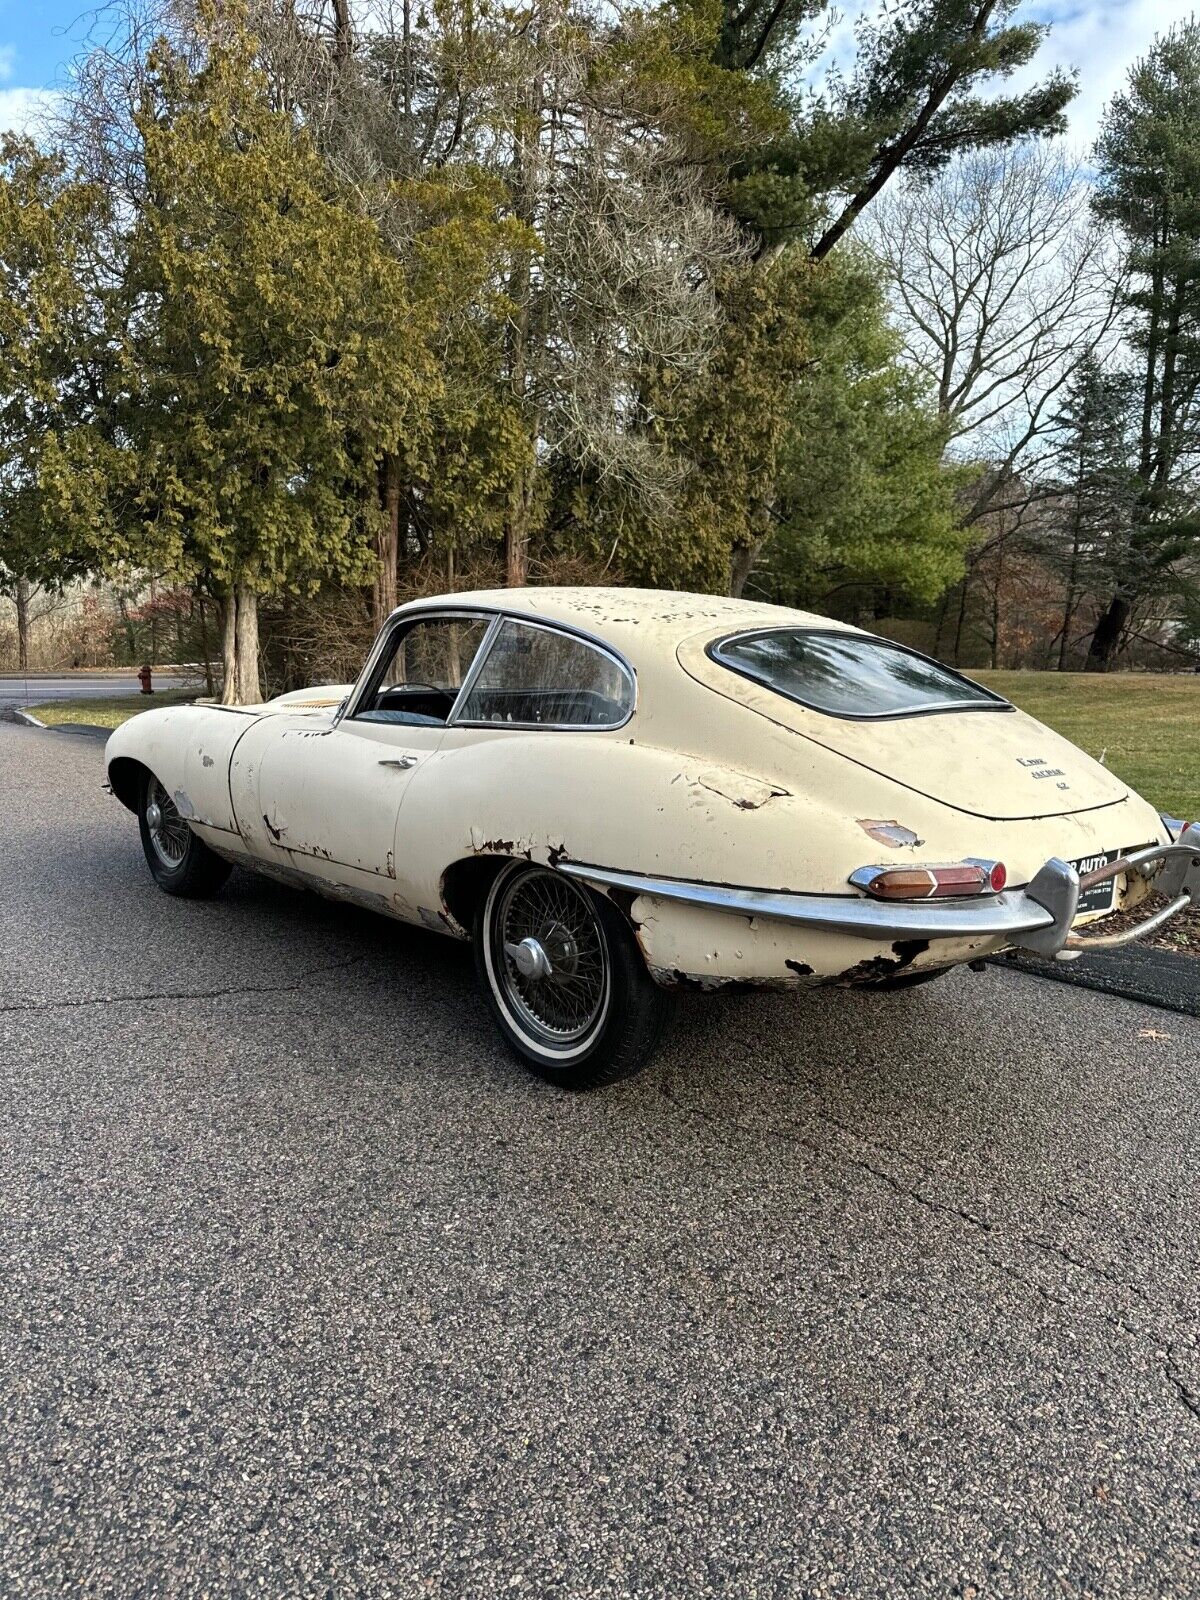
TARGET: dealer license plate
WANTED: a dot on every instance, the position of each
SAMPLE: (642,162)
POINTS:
(1100,896)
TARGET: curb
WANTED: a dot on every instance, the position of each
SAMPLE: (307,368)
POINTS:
(29,720)
(86,730)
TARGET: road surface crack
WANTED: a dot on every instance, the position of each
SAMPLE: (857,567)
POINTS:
(1188,1396)
(301,981)
(897,1185)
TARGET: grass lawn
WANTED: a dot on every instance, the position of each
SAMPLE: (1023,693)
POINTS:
(1148,725)
(104,713)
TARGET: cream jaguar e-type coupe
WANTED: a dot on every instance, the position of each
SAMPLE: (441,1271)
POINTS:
(619,792)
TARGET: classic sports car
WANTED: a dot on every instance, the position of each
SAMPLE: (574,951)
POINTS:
(618,792)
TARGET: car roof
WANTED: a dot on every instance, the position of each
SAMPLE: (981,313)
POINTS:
(638,621)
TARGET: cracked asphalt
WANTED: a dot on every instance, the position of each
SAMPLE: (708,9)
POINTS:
(308,1290)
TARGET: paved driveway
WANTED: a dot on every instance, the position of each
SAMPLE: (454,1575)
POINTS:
(308,1290)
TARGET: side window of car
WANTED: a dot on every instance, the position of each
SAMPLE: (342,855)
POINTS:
(538,675)
(419,681)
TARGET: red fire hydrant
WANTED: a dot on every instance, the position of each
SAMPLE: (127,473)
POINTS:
(144,680)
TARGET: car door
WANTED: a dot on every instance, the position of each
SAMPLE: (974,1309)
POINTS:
(325,801)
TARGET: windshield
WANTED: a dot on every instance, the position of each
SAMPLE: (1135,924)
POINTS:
(850,674)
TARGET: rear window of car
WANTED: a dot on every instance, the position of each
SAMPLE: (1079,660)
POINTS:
(849,674)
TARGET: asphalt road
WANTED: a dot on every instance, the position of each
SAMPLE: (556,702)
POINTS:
(17,691)
(308,1290)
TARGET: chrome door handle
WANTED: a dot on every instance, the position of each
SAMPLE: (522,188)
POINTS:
(401,762)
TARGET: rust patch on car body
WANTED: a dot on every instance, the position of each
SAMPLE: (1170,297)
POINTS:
(440,922)
(725,983)
(877,968)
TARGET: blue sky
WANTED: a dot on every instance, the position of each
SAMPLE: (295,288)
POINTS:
(1101,37)
(37,39)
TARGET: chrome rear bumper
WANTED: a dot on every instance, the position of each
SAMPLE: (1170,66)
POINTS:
(1038,918)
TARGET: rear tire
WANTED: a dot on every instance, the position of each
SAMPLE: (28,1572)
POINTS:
(179,862)
(565,979)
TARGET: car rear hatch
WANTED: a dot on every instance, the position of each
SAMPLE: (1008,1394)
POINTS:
(985,759)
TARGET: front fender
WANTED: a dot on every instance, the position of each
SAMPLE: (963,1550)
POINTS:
(188,749)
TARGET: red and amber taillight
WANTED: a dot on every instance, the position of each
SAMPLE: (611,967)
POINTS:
(949,882)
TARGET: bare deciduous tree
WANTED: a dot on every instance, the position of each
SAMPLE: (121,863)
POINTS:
(1003,288)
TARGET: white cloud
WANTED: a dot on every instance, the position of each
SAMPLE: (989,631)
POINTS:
(21,110)
(7,56)
(1100,38)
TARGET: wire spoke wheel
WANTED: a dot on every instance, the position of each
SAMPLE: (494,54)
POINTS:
(169,833)
(549,955)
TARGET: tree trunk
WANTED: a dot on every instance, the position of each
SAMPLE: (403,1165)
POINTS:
(240,648)
(516,532)
(229,649)
(741,564)
(130,632)
(1064,638)
(996,608)
(962,617)
(22,599)
(387,547)
(943,613)
(343,38)
(209,689)
(1106,640)
(528,161)
(247,647)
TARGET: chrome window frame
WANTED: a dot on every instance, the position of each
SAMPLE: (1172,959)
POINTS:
(581,636)
(431,611)
(993,701)
(385,646)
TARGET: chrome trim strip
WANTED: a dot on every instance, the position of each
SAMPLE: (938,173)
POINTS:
(476,667)
(995,916)
(1176,874)
(989,700)
(383,643)
(518,619)
(1037,918)
(423,610)
(1114,941)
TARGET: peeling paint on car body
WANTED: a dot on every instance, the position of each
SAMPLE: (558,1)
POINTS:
(742,790)
(891,833)
(712,780)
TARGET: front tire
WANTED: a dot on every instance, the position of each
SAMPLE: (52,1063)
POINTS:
(565,980)
(179,862)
